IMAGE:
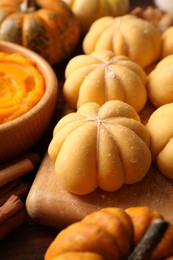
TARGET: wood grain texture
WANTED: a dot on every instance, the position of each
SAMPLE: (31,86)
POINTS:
(49,204)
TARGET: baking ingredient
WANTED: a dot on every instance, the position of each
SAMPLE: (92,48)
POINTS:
(89,11)
(12,215)
(102,147)
(106,232)
(16,187)
(15,169)
(22,86)
(47,27)
(102,76)
(128,35)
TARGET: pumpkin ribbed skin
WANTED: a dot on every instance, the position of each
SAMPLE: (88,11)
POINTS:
(84,236)
(96,9)
(51,30)
(110,227)
(164,248)
(141,217)
(118,224)
(103,147)
(125,35)
(103,76)
(93,235)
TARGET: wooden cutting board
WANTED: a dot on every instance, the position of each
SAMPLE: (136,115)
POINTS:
(49,204)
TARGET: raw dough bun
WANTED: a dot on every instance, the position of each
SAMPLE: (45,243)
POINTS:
(102,147)
(102,76)
(160,126)
(160,83)
(167,42)
(88,11)
(127,35)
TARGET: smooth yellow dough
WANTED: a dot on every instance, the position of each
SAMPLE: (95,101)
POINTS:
(167,42)
(160,126)
(127,35)
(102,76)
(100,146)
(160,82)
(87,11)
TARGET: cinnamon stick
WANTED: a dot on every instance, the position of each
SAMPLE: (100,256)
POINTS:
(20,189)
(12,214)
(14,222)
(10,207)
(18,168)
(9,187)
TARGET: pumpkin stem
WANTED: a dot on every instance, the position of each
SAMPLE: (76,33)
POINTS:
(150,240)
(28,6)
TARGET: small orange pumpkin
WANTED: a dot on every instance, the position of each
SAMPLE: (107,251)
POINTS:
(110,233)
(47,27)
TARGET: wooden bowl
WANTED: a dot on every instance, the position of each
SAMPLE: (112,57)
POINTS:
(19,135)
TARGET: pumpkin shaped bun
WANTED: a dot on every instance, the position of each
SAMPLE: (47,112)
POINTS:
(160,82)
(160,127)
(112,233)
(102,76)
(127,35)
(102,147)
(96,9)
(167,42)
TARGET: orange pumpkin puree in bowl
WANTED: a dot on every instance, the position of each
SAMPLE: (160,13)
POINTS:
(21,86)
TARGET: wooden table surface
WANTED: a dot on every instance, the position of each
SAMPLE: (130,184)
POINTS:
(30,240)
